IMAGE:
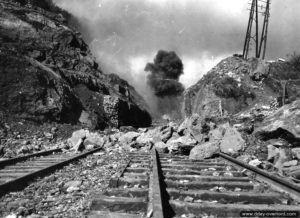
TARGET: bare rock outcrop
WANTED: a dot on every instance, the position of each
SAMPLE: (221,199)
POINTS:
(284,123)
(47,73)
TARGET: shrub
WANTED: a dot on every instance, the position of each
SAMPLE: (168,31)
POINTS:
(294,60)
(228,87)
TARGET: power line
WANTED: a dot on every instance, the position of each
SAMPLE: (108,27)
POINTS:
(257,7)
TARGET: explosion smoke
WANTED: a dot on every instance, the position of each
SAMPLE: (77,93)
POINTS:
(165,73)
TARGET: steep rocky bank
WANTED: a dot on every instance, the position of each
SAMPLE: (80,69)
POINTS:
(47,73)
(236,85)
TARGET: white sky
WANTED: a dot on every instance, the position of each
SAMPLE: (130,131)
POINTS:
(127,34)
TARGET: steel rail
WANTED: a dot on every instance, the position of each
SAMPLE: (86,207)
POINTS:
(11,161)
(281,185)
(21,182)
(156,187)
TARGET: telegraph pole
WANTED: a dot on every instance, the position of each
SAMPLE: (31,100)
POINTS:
(257,7)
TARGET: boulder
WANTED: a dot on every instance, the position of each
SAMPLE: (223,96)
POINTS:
(182,145)
(285,123)
(193,126)
(296,153)
(278,143)
(259,69)
(161,147)
(174,126)
(183,141)
(246,158)
(232,142)
(273,152)
(217,134)
(127,129)
(280,159)
(183,127)
(79,146)
(94,139)
(115,137)
(142,130)
(166,133)
(90,147)
(77,136)
(203,151)
(255,163)
(145,140)
(290,163)
(128,138)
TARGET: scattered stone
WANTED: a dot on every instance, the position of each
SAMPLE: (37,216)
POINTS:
(90,147)
(98,154)
(142,130)
(255,163)
(246,158)
(72,189)
(128,138)
(94,139)
(188,199)
(280,159)
(290,163)
(75,183)
(203,151)
(161,147)
(278,143)
(284,122)
(23,150)
(237,189)
(296,153)
(48,135)
(26,142)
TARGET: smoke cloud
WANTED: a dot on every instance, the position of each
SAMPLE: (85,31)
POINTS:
(124,35)
(165,73)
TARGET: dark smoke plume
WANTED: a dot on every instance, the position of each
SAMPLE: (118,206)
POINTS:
(165,73)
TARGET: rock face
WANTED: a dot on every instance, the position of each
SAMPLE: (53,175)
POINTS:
(235,85)
(47,73)
(284,123)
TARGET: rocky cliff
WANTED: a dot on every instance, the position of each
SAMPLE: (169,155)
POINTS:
(236,85)
(47,73)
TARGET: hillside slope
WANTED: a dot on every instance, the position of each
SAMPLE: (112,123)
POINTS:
(236,85)
(47,73)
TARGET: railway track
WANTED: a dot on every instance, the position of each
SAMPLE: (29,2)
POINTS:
(164,186)
(16,173)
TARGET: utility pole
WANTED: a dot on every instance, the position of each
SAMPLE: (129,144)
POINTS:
(257,7)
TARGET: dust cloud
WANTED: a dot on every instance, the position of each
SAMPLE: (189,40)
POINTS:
(124,35)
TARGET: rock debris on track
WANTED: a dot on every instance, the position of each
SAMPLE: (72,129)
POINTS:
(65,193)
